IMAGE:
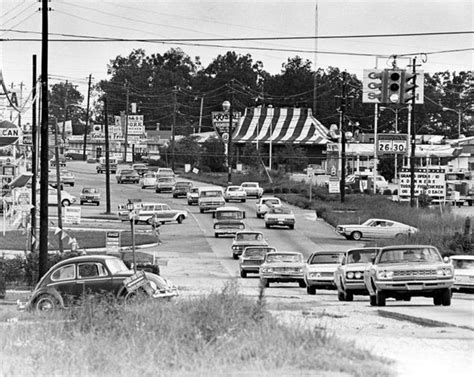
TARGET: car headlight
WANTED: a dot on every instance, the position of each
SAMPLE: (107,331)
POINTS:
(383,274)
(235,248)
(266,269)
(217,226)
(358,275)
(299,269)
(444,272)
(241,226)
(350,275)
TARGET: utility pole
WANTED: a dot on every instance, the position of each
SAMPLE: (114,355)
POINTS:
(413,137)
(107,160)
(20,103)
(44,218)
(58,185)
(84,153)
(173,131)
(126,120)
(63,132)
(34,168)
(231,120)
(200,114)
(342,182)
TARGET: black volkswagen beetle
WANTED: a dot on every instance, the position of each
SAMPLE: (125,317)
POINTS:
(69,279)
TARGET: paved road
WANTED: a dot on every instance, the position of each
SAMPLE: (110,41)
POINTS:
(199,263)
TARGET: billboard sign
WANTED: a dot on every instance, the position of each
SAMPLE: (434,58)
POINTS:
(220,122)
(430,180)
(135,125)
(9,133)
(392,143)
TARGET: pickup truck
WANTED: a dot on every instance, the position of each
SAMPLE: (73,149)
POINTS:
(101,168)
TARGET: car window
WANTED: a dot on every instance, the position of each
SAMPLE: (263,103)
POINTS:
(229,215)
(116,265)
(149,175)
(89,270)
(424,254)
(360,256)
(249,237)
(281,210)
(284,258)
(64,273)
(126,172)
(326,258)
(463,264)
(255,252)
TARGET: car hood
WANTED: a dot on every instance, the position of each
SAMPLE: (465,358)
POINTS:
(410,266)
(253,243)
(464,272)
(321,267)
(357,267)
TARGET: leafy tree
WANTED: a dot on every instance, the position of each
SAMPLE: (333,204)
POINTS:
(292,157)
(65,103)
(250,156)
(187,151)
(212,154)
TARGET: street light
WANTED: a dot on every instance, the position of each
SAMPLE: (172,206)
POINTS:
(227,106)
(459,112)
(131,215)
(395,111)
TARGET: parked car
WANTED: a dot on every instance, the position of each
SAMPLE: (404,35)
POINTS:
(319,270)
(228,221)
(66,198)
(244,239)
(376,228)
(66,178)
(280,216)
(181,188)
(62,161)
(148,212)
(140,169)
(251,259)
(127,175)
(124,212)
(164,184)
(252,189)
(404,271)
(463,272)
(282,267)
(193,196)
(265,203)
(235,193)
(349,275)
(90,195)
(148,180)
(70,279)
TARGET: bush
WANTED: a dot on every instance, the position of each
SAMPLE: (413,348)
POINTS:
(387,192)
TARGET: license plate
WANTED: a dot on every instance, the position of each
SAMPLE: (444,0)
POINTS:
(281,222)
(89,200)
(417,287)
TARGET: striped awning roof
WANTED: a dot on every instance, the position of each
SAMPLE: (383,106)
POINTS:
(280,126)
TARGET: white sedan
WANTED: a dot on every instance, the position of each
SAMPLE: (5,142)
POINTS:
(235,193)
(280,216)
(148,180)
(66,198)
(376,228)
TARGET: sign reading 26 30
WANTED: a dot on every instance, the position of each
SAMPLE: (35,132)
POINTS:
(392,144)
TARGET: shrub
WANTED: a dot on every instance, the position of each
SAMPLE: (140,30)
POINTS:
(295,190)
(285,190)
(387,192)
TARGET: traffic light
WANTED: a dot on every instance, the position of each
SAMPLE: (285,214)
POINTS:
(393,85)
(408,87)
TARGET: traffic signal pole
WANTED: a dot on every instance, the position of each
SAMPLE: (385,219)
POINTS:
(413,137)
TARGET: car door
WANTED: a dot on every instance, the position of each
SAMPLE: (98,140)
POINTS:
(168,213)
(159,212)
(64,281)
(52,197)
(92,278)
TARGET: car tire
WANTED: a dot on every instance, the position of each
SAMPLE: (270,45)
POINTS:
(437,299)
(259,215)
(265,283)
(235,256)
(201,210)
(341,296)
(243,274)
(243,200)
(46,303)
(216,235)
(180,219)
(356,236)
(65,203)
(72,184)
(311,290)
(302,284)
(82,203)
(267,226)
(373,300)
(349,296)
(291,226)
(189,203)
(446,297)
(157,191)
(379,298)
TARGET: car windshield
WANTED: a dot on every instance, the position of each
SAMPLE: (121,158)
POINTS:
(324,258)
(270,201)
(89,190)
(249,185)
(127,172)
(211,194)
(194,190)
(401,255)
(282,210)
(463,264)
(284,258)
(256,252)
(116,266)
(182,184)
(360,256)
(229,215)
(233,188)
(165,179)
(149,175)
(140,167)
(249,237)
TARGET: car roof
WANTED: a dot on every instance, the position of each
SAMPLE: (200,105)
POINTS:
(375,248)
(395,247)
(248,232)
(285,252)
(86,258)
(465,257)
(228,208)
(327,252)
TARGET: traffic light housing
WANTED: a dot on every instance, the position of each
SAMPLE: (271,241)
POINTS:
(393,85)
(408,87)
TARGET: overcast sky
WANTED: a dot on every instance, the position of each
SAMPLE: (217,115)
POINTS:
(236,19)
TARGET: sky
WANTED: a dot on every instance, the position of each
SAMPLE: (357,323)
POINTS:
(193,19)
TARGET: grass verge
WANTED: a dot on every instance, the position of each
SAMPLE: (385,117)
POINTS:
(222,333)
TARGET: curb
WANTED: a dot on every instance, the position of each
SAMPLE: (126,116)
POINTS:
(419,320)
